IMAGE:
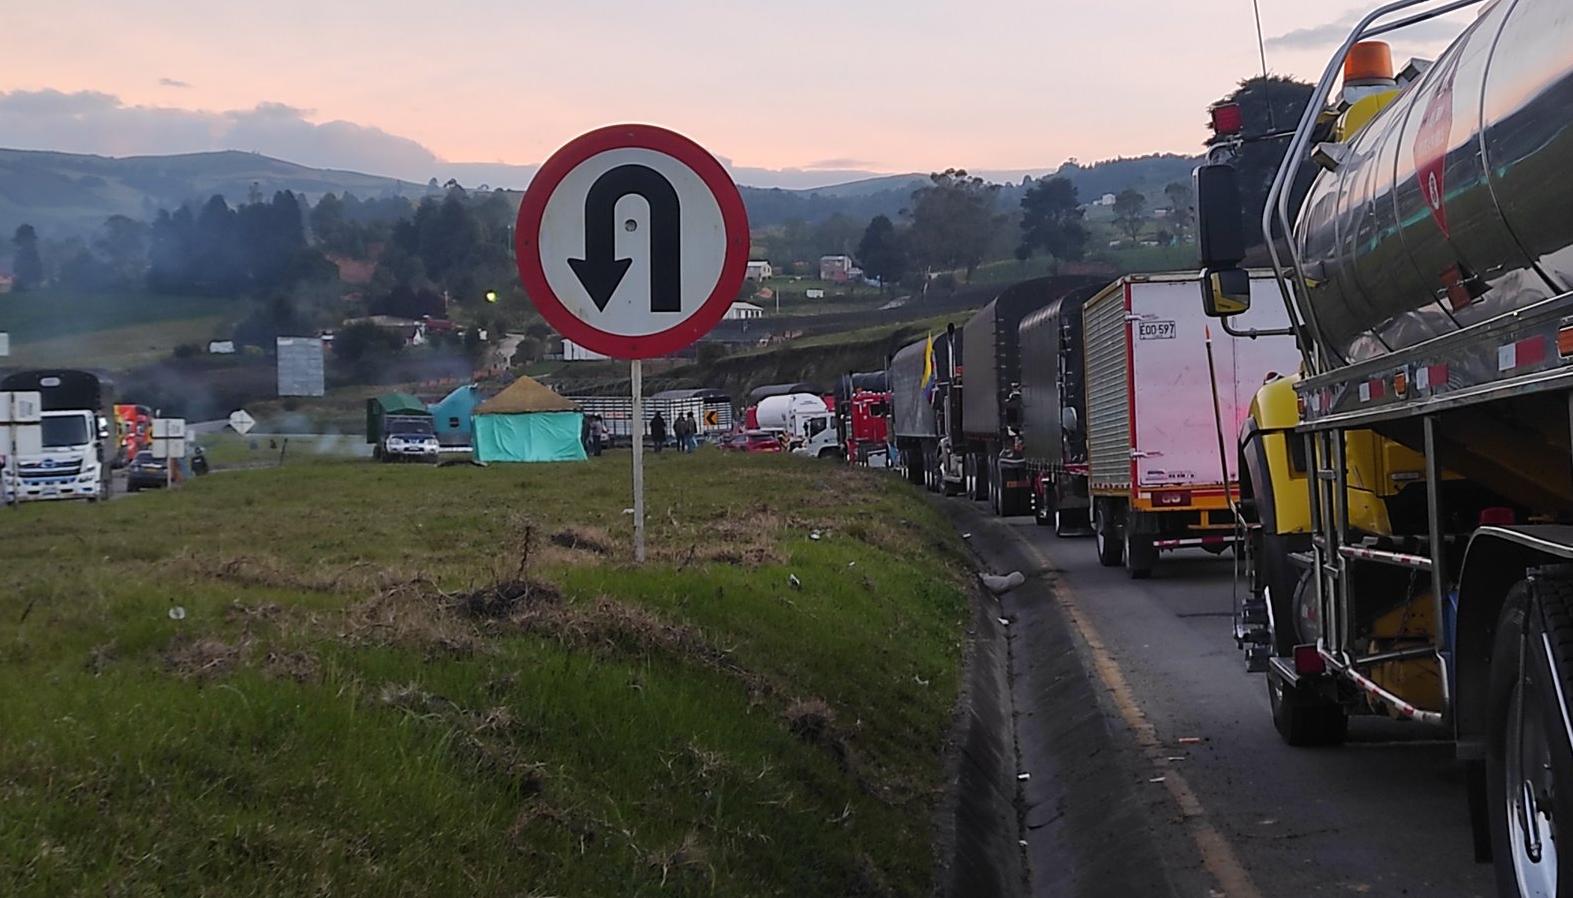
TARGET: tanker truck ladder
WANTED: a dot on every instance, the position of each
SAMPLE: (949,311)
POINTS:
(1331,558)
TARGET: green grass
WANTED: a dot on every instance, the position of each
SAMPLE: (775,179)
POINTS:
(109,330)
(330,715)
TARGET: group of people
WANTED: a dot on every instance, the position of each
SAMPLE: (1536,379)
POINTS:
(685,429)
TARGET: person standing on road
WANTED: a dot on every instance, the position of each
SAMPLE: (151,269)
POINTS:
(680,433)
(689,428)
(693,433)
(657,432)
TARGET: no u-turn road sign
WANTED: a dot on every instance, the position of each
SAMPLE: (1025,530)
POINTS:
(632,241)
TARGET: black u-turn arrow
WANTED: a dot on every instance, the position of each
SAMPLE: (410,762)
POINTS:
(600,271)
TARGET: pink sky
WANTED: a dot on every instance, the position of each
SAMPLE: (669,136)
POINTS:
(872,85)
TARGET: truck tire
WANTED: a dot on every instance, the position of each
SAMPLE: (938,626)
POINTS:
(1106,534)
(1070,522)
(980,477)
(1302,717)
(1528,755)
(1043,511)
(1139,553)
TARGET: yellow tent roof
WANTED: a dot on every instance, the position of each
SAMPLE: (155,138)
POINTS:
(526,395)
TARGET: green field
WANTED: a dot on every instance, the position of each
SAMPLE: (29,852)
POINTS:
(109,330)
(340,678)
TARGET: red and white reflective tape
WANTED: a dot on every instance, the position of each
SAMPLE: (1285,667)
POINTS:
(1419,562)
(1529,351)
(1403,708)
(1192,542)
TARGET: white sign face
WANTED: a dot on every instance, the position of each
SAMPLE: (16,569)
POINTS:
(633,227)
(169,428)
(632,241)
(174,447)
(21,407)
(5,343)
(241,422)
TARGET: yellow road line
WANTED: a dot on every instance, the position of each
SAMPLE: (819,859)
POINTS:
(1217,854)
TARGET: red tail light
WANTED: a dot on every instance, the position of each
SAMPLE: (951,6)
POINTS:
(1497,517)
(1227,119)
(1308,661)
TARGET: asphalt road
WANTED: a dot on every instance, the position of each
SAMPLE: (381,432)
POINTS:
(1237,813)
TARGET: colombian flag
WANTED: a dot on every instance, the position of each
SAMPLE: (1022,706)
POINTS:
(928,368)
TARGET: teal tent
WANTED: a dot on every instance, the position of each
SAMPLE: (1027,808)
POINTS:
(528,422)
(451,415)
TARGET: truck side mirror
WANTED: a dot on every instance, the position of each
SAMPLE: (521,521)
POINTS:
(1225,292)
(1068,420)
(1220,220)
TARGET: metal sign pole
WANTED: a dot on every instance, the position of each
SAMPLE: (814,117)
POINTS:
(636,374)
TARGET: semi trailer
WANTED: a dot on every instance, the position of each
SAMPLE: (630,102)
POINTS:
(1412,484)
(1054,412)
(990,393)
(925,407)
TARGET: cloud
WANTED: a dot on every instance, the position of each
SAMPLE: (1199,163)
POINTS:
(103,124)
(95,122)
(1330,34)
(172,82)
(841,163)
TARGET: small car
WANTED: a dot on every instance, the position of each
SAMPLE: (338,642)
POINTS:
(146,472)
(759,441)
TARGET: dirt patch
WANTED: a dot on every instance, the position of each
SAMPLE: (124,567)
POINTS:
(582,539)
(201,657)
(501,601)
(811,720)
(749,539)
(302,667)
(411,617)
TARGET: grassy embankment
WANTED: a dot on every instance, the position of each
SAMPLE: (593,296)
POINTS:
(109,330)
(350,679)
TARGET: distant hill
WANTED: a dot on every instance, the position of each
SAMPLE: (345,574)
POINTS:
(70,193)
(65,194)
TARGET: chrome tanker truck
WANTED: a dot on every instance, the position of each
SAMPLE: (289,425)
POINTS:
(1410,492)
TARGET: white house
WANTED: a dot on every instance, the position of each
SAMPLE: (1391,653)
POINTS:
(759,270)
(573,352)
(740,311)
(1106,200)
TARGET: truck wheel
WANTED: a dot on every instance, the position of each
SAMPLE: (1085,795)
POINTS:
(1529,755)
(1070,522)
(1140,555)
(1302,717)
(1043,511)
(1106,534)
(980,478)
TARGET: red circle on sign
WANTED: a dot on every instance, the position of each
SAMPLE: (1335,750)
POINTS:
(733,264)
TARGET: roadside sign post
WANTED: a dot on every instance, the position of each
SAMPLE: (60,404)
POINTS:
(241,422)
(632,241)
(169,443)
(21,423)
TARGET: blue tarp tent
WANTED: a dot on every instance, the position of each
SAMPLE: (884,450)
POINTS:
(528,422)
(451,415)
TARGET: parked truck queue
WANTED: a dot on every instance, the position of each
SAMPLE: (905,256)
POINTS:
(1377,424)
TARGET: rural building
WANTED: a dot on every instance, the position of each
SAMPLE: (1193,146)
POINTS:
(573,352)
(743,311)
(838,269)
(759,270)
(528,422)
(1106,200)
